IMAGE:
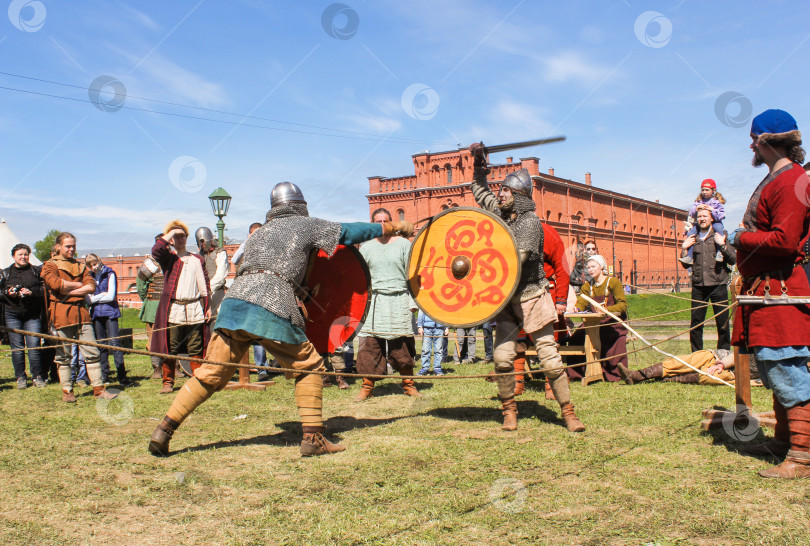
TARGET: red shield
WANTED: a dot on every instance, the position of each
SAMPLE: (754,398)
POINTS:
(339,288)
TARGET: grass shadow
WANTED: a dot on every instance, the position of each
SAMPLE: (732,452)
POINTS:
(290,434)
(735,438)
(526,409)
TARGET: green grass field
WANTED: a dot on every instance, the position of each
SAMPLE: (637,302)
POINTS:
(435,470)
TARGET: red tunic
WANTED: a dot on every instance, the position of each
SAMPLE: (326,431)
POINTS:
(554,264)
(781,225)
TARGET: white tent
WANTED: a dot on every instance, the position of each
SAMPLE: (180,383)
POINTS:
(7,242)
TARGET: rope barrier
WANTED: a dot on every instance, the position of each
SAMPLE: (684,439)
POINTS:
(63,341)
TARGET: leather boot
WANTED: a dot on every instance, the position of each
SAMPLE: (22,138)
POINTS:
(101,392)
(341,383)
(572,423)
(169,368)
(549,392)
(69,397)
(631,377)
(796,465)
(692,378)
(407,384)
(366,390)
(315,444)
(327,381)
(159,441)
(157,368)
(509,414)
(520,385)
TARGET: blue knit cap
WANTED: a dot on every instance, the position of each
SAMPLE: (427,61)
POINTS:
(773,122)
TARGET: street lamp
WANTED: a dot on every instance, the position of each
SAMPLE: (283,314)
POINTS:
(220,201)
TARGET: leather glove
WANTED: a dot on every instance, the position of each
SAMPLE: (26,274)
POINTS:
(479,154)
(403,228)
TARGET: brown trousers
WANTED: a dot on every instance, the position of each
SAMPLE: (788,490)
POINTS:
(230,346)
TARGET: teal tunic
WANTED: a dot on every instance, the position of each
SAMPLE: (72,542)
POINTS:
(389,315)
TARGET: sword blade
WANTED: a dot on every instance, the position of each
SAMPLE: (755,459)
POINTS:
(518,145)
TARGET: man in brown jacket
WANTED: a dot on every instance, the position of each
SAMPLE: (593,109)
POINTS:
(68,281)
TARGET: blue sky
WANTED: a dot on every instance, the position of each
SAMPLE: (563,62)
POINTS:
(653,97)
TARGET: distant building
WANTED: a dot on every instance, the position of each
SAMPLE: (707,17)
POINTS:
(644,233)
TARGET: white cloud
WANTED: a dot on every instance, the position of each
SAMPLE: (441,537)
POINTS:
(571,66)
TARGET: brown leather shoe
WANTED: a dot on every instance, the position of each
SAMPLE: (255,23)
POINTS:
(341,383)
(509,414)
(410,388)
(772,448)
(162,435)
(101,392)
(69,397)
(572,423)
(366,390)
(796,465)
(167,388)
(315,444)
(157,374)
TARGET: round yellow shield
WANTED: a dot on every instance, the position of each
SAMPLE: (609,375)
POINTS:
(463,267)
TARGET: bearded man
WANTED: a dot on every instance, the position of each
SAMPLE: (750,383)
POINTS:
(769,255)
(532,306)
(262,307)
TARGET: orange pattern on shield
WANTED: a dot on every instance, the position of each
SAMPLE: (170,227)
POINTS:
(463,267)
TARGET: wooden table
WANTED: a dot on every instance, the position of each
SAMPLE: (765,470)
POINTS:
(590,350)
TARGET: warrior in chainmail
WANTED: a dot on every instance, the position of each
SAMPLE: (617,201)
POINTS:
(532,307)
(216,265)
(262,307)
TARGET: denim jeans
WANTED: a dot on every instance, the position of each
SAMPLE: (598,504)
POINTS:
(106,328)
(23,322)
(259,355)
(487,328)
(432,339)
(78,370)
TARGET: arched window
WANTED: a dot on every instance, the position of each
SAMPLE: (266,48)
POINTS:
(132,288)
(449,170)
(401,215)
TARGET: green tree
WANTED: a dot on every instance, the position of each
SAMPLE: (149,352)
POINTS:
(42,249)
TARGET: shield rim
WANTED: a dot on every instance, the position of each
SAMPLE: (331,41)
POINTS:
(366,272)
(506,301)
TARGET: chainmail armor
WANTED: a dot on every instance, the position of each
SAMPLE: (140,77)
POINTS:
(276,258)
(527,229)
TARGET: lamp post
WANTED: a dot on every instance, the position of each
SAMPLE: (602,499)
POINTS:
(220,201)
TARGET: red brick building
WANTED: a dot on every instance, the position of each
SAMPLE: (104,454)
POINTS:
(643,233)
